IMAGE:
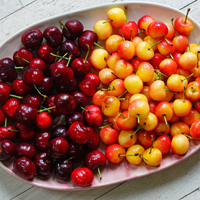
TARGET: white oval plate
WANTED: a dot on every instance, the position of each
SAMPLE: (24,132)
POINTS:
(111,173)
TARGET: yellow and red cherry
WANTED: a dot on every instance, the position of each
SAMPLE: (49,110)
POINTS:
(103,29)
(179,128)
(135,63)
(126,50)
(195,130)
(145,92)
(112,43)
(182,107)
(116,88)
(157,59)
(124,103)
(152,157)
(181,43)
(145,137)
(98,58)
(196,70)
(98,97)
(168,67)
(180,144)
(144,22)
(138,96)
(153,42)
(125,121)
(157,29)
(113,153)
(183,26)
(122,69)
(128,30)
(157,91)
(176,55)
(183,72)
(134,154)
(131,80)
(136,40)
(144,51)
(162,128)
(174,118)
(117,17)
(106,75)
(169,94)
(109,135)
(166,47)
(112,59)
(145,71)
(110,106)
(188,60)
(192,91)
(171,32)
(125,138)
(163,143)
(112,121)
(193,116)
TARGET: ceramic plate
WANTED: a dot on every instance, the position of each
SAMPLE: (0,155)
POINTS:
(111,173)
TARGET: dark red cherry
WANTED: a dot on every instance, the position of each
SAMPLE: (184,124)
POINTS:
(7,70)
(58,148)
(47,86)
(24,168)
(63,169)
(38,63)
(5,90)
(74,29)
(60,131)
(2,118)
(7,149)
(44,52)
(44,164)
(44,121)
(32,39)
(34,100)
(26,132)
(61,73)
(92,77)
(25,149)
(71,48)
(50,102)
(87,87)
(26,114)
(76,116)
(76,152)
(9,108)
(42,140)
(65,103)
(53,36)
(94,140)
(80,99)
(88,37)
(20,88)
(33,76)
(22,57)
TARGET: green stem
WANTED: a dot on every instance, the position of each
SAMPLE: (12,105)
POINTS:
(98,45)
(88,51)
(19,67)
(140,32)
(165,119)
(151,144)
(105,126)
(84,109)
(46,109)
(18,97)
(188,10)
(138,118)
(43,95)
(99,172)
(160,73)
(172,21)
(122,115)
(62,25)
(184,95)
(187,77)
(154,45)
(5,123)
(22,59)
(107,21)
(168,41)
(123,93)
(170,91)
(137,130)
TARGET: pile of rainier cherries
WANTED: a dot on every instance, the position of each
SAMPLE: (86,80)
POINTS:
(139,95)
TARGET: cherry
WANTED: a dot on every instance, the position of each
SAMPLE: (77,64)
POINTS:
(49,103)
(7,149)
(109,135)
(163,143)
(34,100)
(26,132)
(63,169)
(72,29)
(42,140)
(25,149)
(82,177)
(80,99)
(128,30)
(44,121)
(75,116)
(194,130)
(38,63)
(5,90)
(7,134)
(43,164)
(65,103)
(7,70)
(2,118)
(24,168)
(47,86)
(53,36)
(57,148)
(157,29)
(152,157)
(78,133)
(32,39)
(76,152)
(20,88)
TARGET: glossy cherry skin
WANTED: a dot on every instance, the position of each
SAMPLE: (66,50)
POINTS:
(32,39)
(2,118)
(71,48)
(76,116)
(26,132)
(24,168)
(5,90)
(42,140)
(60,131)
(47,86)
(80,99)
(10,107)
(50,102)
(25,54)
(87,87)
(44,52)
(81,66)
(38,63)
(53,36)
(75,29)
(78,133)
(43,164)
(7,70)
(94,140)
(26,114)
(82,177)
(25,149)
(7,149)
(63,169)
(44,121)
(33,76)
(34,100)
(61,73)
(57,148)
(76,152)
(88,37)
(6,134)
(20,88)
(65,103)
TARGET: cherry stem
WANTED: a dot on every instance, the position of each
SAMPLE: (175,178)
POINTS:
(84,109)
(11,130)
(187,77)
(107,89)
(160,73)
(122,115)
(154,45)
(136,154)
(188,136)
(170,91)
(125,11)
(151,144)
(5,123)
(22,59)
(68,159)
(46,109)
(123,93)
(114,74)
(19,67)
(56,57)
(198,43)
(70,56)
(142,157)
(122,99)
(62,25)
(18,97)
(198,58)
(107,21)
(87,54)
(98,45)
(137,130)
(105,126)
(165,119)
(184,95)
(138,118)
(99,172)
(63,57)
(171,56)
(140,32)
(168,41)
(131,35)
(43,95)
(166,134)
(172,21)
(188,10)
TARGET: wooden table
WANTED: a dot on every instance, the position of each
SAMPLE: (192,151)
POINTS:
(178,182)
